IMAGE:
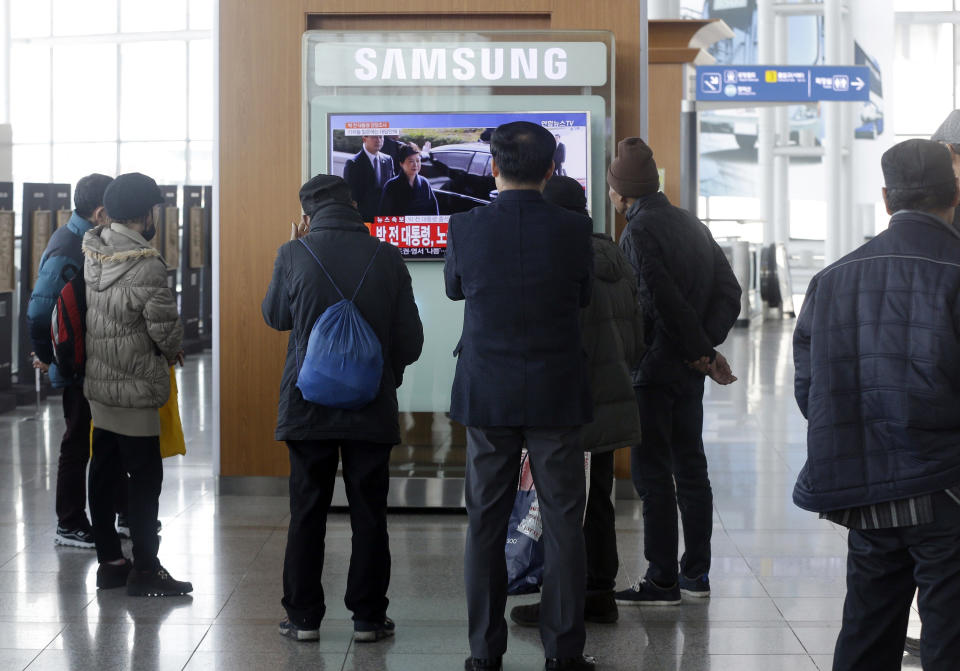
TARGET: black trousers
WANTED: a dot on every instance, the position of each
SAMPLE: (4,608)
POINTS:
(556,458)
(366,475)
(669,470)
(137,457)
(72,464)
(599,526)
(884,568)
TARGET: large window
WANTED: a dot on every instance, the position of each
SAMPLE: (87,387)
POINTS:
(111,86)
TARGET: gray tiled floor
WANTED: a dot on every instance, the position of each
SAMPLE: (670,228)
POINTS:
(777,574)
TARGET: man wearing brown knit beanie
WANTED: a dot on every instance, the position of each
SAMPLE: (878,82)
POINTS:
(690,299)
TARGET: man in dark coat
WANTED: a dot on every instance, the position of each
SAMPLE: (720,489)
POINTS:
(524,268)
(318,437)
(366,173)
(877,355)
(690,299)
(559,156)
(612,329)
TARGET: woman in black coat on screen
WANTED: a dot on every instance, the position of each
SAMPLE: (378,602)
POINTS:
(408,194)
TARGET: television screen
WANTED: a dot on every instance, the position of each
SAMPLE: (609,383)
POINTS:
(410,172)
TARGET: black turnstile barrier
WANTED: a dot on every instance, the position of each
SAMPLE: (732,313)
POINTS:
(191,268)
(8,284)
(42,204)
(206,312)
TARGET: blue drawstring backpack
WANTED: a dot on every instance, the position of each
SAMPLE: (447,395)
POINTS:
(344,360)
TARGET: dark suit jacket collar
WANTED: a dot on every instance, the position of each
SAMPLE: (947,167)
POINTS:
(918,217)
(520,194)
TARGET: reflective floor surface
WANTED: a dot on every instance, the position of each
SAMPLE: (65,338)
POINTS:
(777,576)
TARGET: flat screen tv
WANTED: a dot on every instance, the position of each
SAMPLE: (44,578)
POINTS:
(454,173)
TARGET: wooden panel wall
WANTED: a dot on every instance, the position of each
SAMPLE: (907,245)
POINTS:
(260,163)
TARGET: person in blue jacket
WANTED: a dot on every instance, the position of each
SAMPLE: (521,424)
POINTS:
(408,193)
(61,261)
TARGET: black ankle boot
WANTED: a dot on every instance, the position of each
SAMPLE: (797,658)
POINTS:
(600,608)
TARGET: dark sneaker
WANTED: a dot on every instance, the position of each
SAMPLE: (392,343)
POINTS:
(111,576)
(369,632)
(526,616)
(912,646)
(123,526)
(156,583)
(290,630)
(581,663)
(600,608)
(647,593)
(478,664)
(74,538)
(698,588)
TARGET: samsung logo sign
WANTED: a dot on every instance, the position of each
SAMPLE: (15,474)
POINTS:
(461,64)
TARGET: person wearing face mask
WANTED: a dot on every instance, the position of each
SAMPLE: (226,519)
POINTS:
(61,260)
(408,193)
(133,336)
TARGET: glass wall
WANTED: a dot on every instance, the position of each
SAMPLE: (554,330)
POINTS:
(111,86)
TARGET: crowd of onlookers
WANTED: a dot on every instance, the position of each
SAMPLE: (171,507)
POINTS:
(571,343)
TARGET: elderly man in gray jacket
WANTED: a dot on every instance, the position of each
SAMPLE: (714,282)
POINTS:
(133,335)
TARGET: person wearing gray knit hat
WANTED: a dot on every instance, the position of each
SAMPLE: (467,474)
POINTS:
(690,300)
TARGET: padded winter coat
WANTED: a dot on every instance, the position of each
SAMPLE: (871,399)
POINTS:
(133,327)
(299,293)
(612,331)
(60,261)
(689,294)
(877,356)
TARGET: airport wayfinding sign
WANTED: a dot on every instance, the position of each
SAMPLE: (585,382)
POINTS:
(782,83)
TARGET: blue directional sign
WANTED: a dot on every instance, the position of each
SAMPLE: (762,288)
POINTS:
(782,83)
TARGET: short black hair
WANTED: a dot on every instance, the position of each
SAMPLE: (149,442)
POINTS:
(88,195)
(523,151)
(936,198)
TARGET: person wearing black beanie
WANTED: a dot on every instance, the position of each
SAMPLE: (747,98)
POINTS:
(690,300)
(331,259)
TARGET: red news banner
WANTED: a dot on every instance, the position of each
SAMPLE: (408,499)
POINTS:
(416,236)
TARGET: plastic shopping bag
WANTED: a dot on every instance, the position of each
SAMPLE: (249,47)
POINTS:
(524,549)
(171,430)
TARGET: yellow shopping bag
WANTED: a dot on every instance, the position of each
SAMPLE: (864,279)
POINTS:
(172,442)
(171,430)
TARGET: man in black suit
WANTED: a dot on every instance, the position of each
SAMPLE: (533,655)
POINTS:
(524,267)
(559,156)
(366,173)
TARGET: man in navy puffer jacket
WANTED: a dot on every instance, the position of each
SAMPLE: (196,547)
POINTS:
(60,261)
(877,354)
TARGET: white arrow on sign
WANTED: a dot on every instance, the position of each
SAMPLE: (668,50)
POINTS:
(857,83)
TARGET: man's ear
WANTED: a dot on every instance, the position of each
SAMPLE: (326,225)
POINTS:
(553,168)
(883,191)
(494,168)
(99,216)
(306,220)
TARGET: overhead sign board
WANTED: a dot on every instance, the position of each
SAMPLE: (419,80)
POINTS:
(458,64)
(782,83)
